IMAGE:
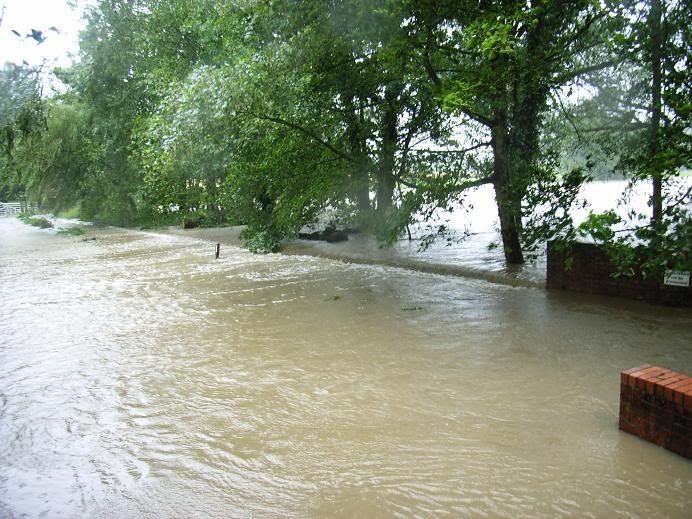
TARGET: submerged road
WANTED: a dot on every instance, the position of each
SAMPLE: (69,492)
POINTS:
(139,377)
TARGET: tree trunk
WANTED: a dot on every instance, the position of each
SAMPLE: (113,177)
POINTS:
(656,51)
(385,191)
(385,172)
(359,187)
(361,191)
(508,203)
(529,97)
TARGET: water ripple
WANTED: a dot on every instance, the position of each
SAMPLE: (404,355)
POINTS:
(139,377)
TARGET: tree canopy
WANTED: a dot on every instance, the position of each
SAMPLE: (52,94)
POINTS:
(382,113)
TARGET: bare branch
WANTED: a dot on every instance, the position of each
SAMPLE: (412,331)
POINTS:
(568,116)
(577,36)
(407,143)
(629,127)
(683,199)
(572,74)
(459,188)
(466,150)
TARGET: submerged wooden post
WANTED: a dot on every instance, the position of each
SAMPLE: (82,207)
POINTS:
(218,250)
(656,405)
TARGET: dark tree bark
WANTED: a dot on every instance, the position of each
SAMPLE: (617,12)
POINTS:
(656,51)
(360,172)
(508,200)
(386,180)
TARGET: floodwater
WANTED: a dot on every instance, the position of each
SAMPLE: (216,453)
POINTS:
(139,377)
(472,247)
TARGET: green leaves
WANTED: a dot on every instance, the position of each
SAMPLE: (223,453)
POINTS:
(494,38)
(599,226)
(261,240)
(272,113)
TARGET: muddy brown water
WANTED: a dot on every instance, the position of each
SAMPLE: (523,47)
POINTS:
(139,377)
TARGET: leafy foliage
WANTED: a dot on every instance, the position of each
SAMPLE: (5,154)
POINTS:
(380,113)
(21,116)
(640,116)
(39,221)
(55,162)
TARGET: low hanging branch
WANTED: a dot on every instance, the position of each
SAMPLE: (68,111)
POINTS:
(684,199)
(437,83)
(575,73)
(624,127)
(464,151)
(458,188)
(304,131)
(568,116)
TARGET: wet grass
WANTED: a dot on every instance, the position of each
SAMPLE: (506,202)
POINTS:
(73,212)
(71,231)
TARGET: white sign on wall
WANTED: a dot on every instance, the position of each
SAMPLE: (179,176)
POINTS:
(677,278)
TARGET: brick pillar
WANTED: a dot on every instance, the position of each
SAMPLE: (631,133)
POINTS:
(656,405)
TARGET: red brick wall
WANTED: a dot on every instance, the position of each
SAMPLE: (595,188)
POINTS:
(656,404)
(591,272)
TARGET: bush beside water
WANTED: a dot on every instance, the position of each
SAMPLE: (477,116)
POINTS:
(37,221)
(263,241)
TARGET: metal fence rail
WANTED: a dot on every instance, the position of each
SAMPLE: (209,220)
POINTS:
(12,208)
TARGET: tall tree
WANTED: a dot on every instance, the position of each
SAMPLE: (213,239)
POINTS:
(22,115)
(361,71)
(641,113)
(55,162)
(496,64)
(132,52)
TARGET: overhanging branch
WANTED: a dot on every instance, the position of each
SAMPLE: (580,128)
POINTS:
(459,188)
(572,74)
(466,150)
(304,131)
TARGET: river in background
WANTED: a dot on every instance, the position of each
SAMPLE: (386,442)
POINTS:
(472,247)
(139,377)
